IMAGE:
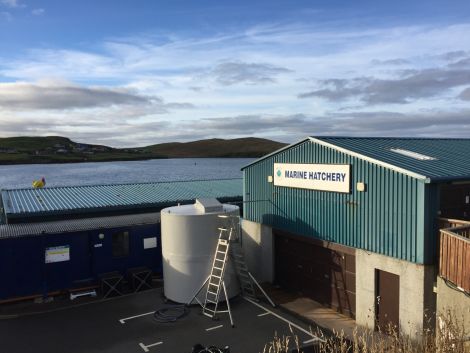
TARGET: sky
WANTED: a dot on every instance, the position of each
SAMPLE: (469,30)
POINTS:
(134,73)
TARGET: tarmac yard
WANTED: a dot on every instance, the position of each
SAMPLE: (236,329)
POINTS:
(126,325)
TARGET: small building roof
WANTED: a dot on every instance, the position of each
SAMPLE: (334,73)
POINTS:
(76,225)
(68,200)
(433,159)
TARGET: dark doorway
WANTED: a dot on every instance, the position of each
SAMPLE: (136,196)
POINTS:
(387,301)
(319,270)
(455,201)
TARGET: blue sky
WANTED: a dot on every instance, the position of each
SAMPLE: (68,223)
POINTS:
(129,73)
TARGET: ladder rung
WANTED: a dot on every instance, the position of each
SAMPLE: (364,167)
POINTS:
(208,315)
(216,276)
(221,252)
(212,293)
(216,259)
(222,229)
(217,268)
(210,301)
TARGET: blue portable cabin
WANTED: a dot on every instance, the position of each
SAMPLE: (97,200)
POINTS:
(47,257)
(59,238)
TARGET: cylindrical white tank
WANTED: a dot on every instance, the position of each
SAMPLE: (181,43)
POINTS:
(189,240)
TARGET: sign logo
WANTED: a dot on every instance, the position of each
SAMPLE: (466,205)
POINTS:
(325,177)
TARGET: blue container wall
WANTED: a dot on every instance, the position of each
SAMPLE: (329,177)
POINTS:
(24,272)
(388,218)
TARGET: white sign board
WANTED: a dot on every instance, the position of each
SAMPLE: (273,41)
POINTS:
(57,254)
(150,243)
(325,177)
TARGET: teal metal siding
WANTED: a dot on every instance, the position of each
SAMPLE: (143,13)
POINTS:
(388,218)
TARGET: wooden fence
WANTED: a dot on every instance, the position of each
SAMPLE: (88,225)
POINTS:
(454,259)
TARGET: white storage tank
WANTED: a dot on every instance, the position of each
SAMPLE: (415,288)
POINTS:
(189,240)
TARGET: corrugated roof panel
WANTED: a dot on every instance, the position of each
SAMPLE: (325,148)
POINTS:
(450,157)
(76,225)
(75,199)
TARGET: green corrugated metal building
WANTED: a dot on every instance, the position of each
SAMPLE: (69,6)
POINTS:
(62,202)
(377,213)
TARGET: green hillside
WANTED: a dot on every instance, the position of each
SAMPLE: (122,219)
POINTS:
(242,147)
(57,149)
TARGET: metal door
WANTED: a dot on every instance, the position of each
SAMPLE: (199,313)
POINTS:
(387,301)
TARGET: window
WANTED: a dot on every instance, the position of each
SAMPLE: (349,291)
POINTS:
(120,244)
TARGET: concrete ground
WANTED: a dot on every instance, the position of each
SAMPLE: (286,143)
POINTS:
(310,311)
(126,325)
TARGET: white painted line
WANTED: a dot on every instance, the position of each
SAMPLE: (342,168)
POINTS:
(146,347)
(214,328)
(123,321)
(311,340)
(283,319)
(264,314)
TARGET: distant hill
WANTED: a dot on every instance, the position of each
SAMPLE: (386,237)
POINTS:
(241,147)
(57,149)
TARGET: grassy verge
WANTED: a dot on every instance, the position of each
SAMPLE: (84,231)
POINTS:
(448,337)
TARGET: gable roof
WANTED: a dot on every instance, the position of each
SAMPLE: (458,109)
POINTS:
(432,159)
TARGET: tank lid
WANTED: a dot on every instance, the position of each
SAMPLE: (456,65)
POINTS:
(208,205)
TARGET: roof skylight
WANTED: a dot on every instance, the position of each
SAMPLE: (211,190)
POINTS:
(415,155)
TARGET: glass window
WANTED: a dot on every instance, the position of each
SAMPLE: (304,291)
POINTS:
(120,244)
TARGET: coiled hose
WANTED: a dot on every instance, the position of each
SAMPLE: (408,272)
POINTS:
(212,349)
(170,313)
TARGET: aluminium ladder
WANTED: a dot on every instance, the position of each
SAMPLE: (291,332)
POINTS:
(228,243)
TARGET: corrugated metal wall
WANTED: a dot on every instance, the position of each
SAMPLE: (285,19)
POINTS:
(389,218)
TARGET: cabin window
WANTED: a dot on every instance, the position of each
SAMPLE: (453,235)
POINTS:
(120,244)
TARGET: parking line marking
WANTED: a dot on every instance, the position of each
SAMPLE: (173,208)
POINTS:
(214,328)
(264,314)
(146,347)
(311,340)
(315,338)
(123,321)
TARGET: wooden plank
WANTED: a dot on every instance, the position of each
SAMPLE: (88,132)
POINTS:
(467,269)
(454,259)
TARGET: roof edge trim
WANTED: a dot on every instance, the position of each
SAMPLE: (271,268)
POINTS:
(274,153)
(370,159)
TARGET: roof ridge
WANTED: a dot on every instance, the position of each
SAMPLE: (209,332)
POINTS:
(387,138)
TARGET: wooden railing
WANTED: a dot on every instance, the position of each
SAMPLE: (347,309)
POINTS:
(454,259)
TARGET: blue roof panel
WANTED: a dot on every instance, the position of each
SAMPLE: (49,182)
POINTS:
(443,159)
(78,199)
(449,159)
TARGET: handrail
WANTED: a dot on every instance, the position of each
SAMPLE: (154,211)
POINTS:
(454,252)
(448,231)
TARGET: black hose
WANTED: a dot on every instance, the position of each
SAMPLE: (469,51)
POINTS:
(170,313)
(198,348)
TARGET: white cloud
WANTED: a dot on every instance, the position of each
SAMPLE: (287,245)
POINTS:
(250,76)
(38,12)
(5,16)
(11,3)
